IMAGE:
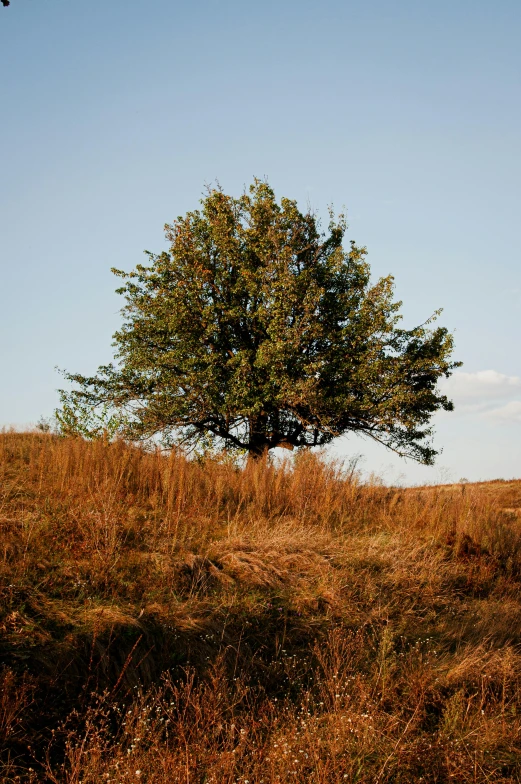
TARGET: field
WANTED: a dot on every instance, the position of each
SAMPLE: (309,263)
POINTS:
(166,620)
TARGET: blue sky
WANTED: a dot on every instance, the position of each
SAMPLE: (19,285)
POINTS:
(115,115)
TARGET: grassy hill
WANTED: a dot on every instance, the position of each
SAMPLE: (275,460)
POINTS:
(163,620)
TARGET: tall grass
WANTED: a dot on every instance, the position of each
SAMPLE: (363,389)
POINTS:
(192,621)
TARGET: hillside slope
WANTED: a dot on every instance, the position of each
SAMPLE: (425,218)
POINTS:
(172,621)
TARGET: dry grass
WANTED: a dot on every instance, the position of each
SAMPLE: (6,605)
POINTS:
(164,620)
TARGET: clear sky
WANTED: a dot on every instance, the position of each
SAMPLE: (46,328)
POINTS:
(115,113)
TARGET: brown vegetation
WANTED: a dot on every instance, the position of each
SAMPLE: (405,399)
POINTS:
(165,620)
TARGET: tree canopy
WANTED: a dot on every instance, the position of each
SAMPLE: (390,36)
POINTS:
(257,329)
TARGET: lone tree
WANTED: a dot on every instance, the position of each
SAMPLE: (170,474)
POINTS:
(257,330)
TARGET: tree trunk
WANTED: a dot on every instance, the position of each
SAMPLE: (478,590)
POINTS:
(257,455)
(258,443)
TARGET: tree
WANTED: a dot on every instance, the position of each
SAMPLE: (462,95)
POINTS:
(257,330)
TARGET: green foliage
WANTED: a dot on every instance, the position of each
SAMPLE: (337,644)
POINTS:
(258,330)
(79,418)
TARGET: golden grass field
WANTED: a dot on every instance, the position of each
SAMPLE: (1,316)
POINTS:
(166,620)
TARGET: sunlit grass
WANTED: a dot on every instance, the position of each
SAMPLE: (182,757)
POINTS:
(167,620)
